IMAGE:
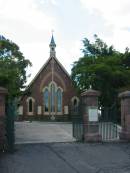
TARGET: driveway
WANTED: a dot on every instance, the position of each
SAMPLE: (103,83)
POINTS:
(42,132)
(67,158)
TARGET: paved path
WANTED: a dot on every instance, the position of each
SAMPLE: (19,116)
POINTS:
(42,132)
(67,158)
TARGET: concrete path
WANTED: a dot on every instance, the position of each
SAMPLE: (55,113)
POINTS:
(67,158)
(42,132)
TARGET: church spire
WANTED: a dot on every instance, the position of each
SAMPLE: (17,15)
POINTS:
(52,47)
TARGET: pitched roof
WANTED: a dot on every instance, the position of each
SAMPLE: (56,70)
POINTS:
(45,66)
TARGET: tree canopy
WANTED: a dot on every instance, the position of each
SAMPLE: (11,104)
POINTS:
(98,48)
(104,68)
(13,66)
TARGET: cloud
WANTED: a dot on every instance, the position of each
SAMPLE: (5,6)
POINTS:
(29,23)
(116,14)
(113,11)
(53,2)
(26,11)
(30,28)
(69,54)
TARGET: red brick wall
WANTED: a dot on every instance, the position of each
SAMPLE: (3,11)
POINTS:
(43,79)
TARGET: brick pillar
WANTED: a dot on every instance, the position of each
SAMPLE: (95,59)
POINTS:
(90,115)
(3,93)
(125,115)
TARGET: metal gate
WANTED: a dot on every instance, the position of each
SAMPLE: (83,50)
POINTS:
(10,117)
(77,122)
(109,125)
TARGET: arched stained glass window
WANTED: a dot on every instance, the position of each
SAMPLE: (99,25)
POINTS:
(52,98)
(30,105)
(59,100)
(46,100)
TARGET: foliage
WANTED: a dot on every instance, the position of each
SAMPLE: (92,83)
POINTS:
(13,66)
(97,48)
(103,68)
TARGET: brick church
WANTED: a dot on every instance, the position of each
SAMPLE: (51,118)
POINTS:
(51,94)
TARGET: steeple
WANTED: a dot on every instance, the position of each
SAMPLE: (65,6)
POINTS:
(52,46)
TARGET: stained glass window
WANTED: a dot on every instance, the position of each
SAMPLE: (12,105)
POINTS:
(46,100)
(52,98)
(59,100)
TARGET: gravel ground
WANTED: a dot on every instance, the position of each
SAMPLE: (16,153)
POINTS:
(67,158)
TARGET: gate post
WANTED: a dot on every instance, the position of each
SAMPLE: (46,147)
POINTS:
(3,93)
(90,115)
(125,115)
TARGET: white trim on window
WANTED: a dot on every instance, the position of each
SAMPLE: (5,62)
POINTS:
(33,101)
(73,98)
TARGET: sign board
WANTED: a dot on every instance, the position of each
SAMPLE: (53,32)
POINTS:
(66,111)
(39,110)
(20,110)
(92,114)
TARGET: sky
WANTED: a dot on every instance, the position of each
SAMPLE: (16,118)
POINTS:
(29,23)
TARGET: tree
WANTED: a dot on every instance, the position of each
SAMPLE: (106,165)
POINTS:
(98,48)
(13,66)
(104,69)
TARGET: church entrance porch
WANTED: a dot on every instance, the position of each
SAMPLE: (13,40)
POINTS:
(42,132)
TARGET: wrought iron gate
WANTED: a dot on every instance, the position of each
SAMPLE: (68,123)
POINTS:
(109,123)
(10,117)
(77,122)
(109,127)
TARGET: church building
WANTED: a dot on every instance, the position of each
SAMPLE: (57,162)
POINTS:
(51,93)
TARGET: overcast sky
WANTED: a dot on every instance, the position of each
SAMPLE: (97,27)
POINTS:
(28,23)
